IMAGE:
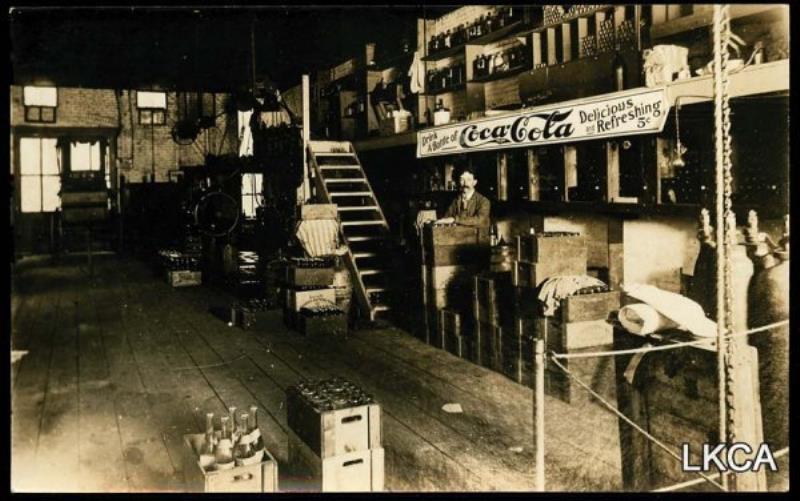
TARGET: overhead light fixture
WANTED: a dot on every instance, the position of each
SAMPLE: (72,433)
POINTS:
(677,156)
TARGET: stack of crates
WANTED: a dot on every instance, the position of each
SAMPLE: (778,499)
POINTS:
(453,254)
(308,282)
(334,437)
(493,320)
(578,325)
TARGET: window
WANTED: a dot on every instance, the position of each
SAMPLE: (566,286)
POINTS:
(194,105)
(40,180)
(152,107)
(251,193)
(40,104)
(89,156)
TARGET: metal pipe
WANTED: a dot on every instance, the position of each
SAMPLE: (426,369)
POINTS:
(538,412)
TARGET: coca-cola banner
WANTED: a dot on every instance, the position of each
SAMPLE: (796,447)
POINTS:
(638,111)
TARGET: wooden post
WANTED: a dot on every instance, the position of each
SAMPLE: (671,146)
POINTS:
(551,46)
(536,46)
(570,170)
(534,181)
(566,43)
(612,171)
(305,190)
(583,32)
(502,176)
(538,412)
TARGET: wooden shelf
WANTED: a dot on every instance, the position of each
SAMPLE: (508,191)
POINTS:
(500,76)
(378,143)
(755,79)
(564,20)
(452,88)
(705,18)
(505,32)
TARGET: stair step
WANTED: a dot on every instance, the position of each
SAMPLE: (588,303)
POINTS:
(381,307)
(334,167)
(371,272)
(370,290)
(362,255)
(333,154)
(371,222)
(357,207)
(365,238)
(345,180)
(351,194)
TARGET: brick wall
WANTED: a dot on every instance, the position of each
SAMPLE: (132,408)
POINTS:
(141,150)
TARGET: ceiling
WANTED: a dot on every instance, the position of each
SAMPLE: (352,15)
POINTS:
(204,48)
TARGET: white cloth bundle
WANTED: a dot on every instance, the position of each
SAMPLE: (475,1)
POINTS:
(678,309)
(319,237)
(417,74)
(662,62)
(641,318)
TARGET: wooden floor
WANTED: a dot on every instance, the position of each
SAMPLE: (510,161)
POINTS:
(119,369)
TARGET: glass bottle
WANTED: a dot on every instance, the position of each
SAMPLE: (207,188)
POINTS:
(209,445)
(232,422)
(619,72)
(493,235)
(224,452)
(244,449)
(254,430)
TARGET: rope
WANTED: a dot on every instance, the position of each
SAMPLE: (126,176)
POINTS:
(635,426)
(669,346)
(722,373)
(690,483)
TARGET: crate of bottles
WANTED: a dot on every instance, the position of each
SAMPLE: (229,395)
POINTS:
(184,278)
(230,459)
(251,313)
(310,272)
(323,320)
(333,417)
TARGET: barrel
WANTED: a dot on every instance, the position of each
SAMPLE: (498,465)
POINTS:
(768,302)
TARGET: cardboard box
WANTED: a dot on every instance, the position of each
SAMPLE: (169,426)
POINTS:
(184,278)
(259,477)
(336,432)
(358,471)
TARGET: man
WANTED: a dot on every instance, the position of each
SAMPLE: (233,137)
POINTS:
(470,208)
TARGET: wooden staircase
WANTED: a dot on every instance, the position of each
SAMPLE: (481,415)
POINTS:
(340,180)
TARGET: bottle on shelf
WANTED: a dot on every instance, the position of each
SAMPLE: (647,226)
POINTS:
(493,235)
(441,115)
(447,39)
(618,68)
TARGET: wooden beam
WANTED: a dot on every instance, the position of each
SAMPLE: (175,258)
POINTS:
(566,43)
(570,169)
(551,46)
(583,32)
(536,46)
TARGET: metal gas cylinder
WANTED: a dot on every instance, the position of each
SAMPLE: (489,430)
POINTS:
(768,302)
(704,282)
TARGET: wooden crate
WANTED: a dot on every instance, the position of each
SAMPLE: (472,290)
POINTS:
(299,298)
(531,275)
(441,277)
(259,477)
(309,277)
(493,296)
(358,471)
(332,325)
(452,332)
(585,307)
(564,336)
(318,211)
(544,247)
(488,346)
(526,303)
(437,235)
(184,278)
(336,432)
(458,254)
(249,319)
